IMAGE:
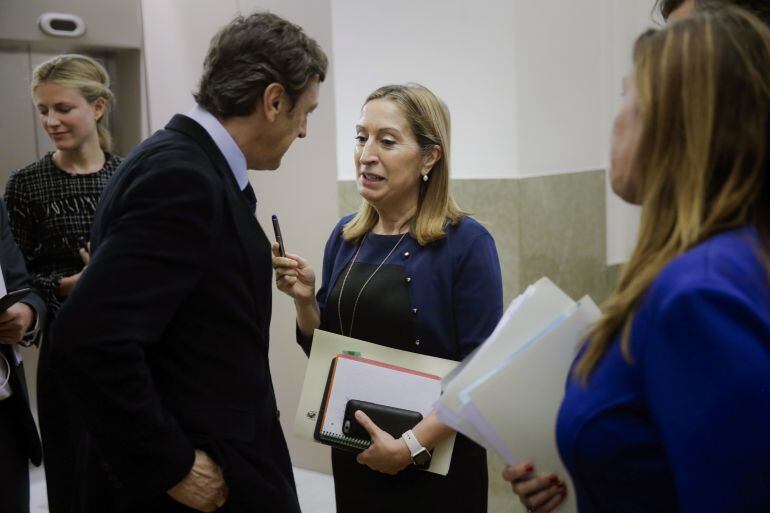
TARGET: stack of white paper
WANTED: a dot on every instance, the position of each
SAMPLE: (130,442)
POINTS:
(507,394)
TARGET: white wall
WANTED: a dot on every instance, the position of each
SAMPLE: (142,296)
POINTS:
(463,51)
(559,94)
(624,21)
(303,192)
(176,37)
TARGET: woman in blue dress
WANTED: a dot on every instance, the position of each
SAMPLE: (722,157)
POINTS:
(412,271)
(668,405)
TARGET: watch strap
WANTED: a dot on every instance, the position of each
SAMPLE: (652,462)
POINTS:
(412,443)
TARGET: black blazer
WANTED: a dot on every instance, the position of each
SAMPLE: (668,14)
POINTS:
(16,277)
(165,338)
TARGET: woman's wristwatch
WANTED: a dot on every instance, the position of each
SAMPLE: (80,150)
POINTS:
(420,455)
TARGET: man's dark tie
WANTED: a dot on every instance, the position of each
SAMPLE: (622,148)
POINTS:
(248,193)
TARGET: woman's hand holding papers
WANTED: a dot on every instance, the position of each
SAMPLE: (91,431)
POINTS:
(540,494)
(386,454)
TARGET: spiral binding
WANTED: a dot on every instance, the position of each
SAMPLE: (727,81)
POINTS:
(355,443)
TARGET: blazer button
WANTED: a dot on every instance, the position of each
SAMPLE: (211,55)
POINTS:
(407,254)
(417,342)
(414,311)
(409,279)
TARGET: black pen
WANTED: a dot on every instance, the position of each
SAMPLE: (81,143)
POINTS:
(278,237)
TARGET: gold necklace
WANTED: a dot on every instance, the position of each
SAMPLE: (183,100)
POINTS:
(345,279)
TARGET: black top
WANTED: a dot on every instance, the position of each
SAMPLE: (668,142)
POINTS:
(49,210)
(383,316)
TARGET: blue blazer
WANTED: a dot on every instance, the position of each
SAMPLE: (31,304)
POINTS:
(456,286)
(684,427)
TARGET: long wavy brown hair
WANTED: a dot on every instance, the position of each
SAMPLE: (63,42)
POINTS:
(703,88)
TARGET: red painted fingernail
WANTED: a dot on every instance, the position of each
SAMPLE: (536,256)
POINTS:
(554,480)
(529,468)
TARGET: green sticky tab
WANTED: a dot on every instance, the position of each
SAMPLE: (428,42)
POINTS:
(352,353)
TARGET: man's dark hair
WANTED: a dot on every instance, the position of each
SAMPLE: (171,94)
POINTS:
(250,53)
(760,8)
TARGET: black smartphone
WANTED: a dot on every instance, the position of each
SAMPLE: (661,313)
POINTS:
(278,236)
(12,298)
(388,418)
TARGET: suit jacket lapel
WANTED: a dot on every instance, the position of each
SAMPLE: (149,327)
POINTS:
(249,230)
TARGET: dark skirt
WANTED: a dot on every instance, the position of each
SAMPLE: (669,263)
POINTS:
(463,490)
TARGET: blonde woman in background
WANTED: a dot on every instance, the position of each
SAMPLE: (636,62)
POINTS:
(51,204)
(668,405)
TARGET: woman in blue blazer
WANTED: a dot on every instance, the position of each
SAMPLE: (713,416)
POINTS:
(668,405)
(412,271)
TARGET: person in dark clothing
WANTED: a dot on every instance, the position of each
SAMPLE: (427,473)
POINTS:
(19,325)
(51,204)
(165,338)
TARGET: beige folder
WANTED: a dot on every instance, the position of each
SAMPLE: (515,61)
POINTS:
(328,345)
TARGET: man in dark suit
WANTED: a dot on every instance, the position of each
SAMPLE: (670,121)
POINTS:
(19,441)
(164,342)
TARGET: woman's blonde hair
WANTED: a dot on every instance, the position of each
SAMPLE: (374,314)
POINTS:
(704,106)
(85,75)
(428,118)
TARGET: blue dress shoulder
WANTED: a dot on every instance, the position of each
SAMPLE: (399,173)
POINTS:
(684,427)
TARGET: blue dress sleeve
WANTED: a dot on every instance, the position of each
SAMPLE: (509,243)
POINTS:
(477,293)
(706,369)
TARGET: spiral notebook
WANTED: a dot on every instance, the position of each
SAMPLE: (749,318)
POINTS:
(353,377)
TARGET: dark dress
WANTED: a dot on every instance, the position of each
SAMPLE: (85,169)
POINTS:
(684,429)
(49,210)
(387,313)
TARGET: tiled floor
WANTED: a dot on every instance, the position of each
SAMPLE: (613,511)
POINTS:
(316,491)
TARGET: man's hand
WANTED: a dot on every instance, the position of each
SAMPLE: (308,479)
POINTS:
(204,488)
(15,322)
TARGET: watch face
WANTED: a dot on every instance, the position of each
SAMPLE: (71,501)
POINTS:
(422,458)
